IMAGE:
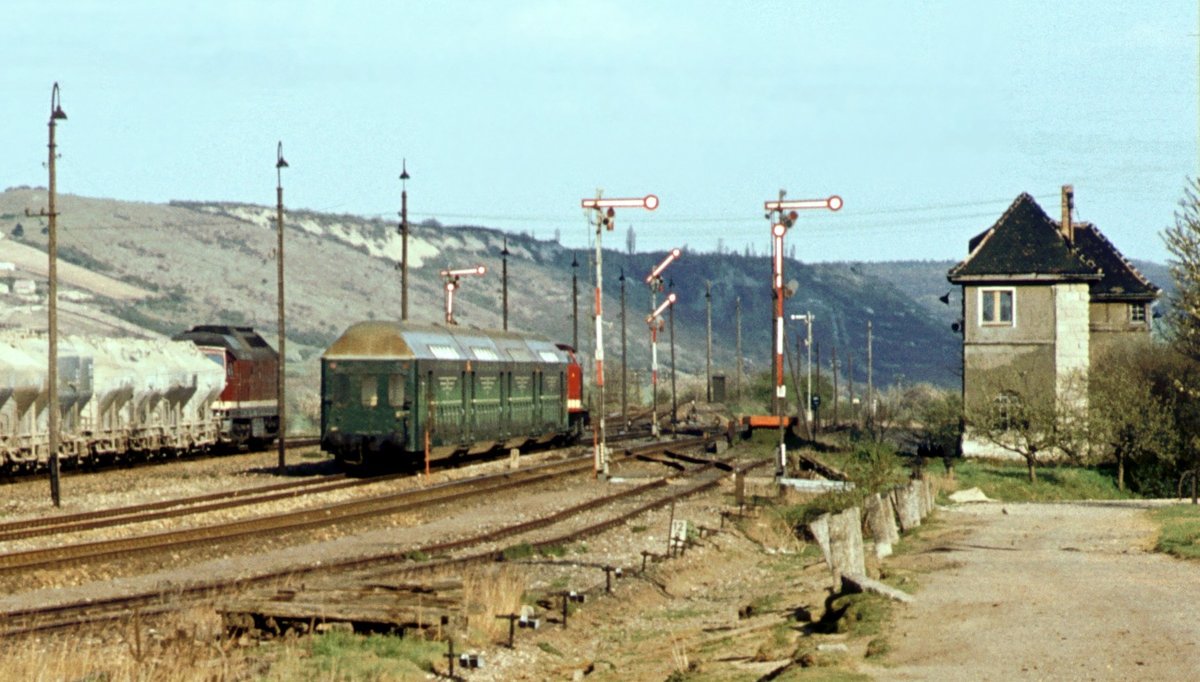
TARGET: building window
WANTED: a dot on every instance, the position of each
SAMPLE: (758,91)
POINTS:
(996,307)
(1137,312)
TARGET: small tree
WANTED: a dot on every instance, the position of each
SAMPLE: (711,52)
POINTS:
(1032,423)
(1183,241)
(1127,418)
(630,240)
(936,426)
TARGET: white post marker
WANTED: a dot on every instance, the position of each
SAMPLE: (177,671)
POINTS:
(450,277)
(604,212)
(782,215)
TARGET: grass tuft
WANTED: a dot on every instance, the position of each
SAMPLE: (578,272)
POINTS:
(1179,530)
(1009,482)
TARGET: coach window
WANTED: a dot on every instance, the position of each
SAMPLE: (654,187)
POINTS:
(370,392)
(996,307)
(396,390)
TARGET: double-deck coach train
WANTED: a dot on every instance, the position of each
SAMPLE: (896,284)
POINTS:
(393,393)
(134,398)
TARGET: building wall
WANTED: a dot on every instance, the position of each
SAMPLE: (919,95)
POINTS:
(1111,327)
(1072,337)
(1001,357)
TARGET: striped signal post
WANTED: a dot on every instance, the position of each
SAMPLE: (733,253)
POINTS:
(655,280)
(603,212)
(654,319)
(782,215)
(450,277)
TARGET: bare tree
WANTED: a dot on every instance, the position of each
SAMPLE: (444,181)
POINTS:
(1032,423)
(1183,241)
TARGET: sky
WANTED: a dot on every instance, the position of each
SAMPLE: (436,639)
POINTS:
(927,118)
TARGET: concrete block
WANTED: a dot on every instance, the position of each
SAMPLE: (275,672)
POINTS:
(907,511)
(882,525)
(861,583)
(846,544)
(820,532)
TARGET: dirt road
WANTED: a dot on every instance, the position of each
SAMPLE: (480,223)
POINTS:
(1050,592)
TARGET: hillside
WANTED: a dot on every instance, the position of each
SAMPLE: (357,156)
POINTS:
(214,262)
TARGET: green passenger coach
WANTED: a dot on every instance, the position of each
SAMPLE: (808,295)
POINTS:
(393,393)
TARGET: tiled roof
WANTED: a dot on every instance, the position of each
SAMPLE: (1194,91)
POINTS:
(1120,279)
(1024,241)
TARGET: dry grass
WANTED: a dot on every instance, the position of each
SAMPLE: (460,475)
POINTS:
(188,647)
(488,593)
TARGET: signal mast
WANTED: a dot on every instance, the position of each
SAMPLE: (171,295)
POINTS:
(655,280)
(781,222)
(603,215)
(450,277)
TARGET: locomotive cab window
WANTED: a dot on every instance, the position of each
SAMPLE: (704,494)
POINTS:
(396,390)
(370,392)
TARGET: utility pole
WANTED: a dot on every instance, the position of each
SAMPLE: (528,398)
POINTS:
(624,361)
(574,302)
(834,367)
(708,356)
(280,164)
(51,215)
(783,215)
(671,325)
(504,281)
(738,315)
(604,212)
(870,380)
(850,384)
(404,176)
(817,407)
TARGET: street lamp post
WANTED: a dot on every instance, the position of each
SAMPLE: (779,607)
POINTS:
(56,114)
(655,280)
(404,176)
(280,164)
(504,283)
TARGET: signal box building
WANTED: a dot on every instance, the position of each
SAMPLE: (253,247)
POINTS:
(1043,301)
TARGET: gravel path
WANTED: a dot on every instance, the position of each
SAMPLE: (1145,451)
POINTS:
(1050,592)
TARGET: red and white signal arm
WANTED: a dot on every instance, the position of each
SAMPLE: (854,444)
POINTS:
(459,272)
(648,202)
(833,203)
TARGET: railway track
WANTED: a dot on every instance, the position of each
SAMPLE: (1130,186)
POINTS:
(91,467)
(48,618)
(188,506)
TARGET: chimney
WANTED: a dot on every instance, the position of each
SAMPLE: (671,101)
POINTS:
(1068,204)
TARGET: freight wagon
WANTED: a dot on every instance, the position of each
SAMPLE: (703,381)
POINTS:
(393,393)
(116,398)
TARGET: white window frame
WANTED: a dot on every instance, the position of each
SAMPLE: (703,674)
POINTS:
(1012,292)
(1133,309)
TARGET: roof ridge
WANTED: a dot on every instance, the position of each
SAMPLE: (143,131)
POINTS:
(992,230)
(1121,256)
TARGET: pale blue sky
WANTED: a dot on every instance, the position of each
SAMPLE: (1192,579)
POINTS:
(928,118)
